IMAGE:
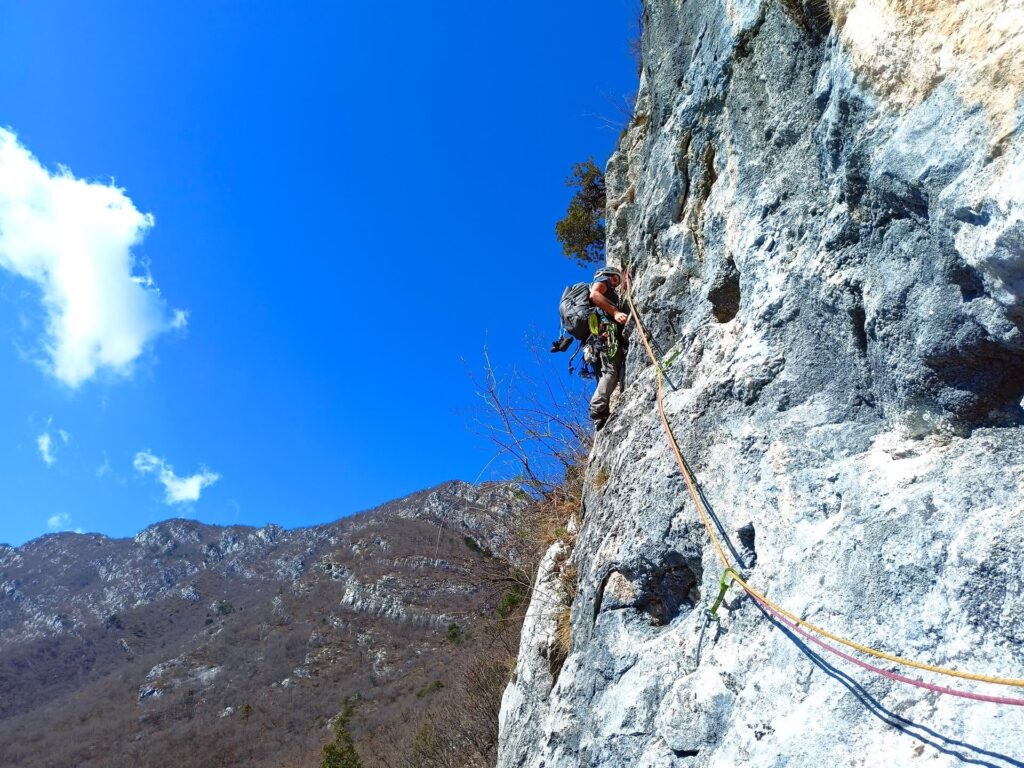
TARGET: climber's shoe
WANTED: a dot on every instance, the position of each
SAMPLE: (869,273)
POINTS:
(561,344)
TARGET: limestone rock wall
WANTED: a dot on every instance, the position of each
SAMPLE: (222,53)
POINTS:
(821,205)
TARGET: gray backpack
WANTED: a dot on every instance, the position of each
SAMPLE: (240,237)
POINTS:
(574,311)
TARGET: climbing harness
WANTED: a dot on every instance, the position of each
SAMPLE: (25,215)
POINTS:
(604,337)
(613,339)
(786,617)
(604,334)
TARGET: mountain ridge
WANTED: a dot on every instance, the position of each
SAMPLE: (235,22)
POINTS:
(194,632)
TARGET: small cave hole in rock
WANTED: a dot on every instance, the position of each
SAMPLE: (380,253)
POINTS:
(671,589)
(747,536)
(724,293)
(686,752)
(967,279)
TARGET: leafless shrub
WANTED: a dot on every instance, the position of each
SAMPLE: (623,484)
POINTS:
(459,726)
(538,426)
(542,437)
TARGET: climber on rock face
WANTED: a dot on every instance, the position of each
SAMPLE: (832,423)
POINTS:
(599,333)
(608,344)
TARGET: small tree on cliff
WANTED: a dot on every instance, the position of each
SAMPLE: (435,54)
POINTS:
(582,231)
(341,753)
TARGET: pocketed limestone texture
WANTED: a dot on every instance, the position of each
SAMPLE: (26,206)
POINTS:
(821,205)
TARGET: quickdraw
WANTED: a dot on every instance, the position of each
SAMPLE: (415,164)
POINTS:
(723,587)
(607,331)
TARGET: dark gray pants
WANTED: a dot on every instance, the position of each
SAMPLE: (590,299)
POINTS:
(611,372)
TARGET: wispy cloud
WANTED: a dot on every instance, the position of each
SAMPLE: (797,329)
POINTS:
(47,445)
(74,239)
(60,522)
(177,490)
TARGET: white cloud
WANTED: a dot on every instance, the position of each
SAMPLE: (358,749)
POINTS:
(177,490)
(60,522)
(45,443)
(73,238)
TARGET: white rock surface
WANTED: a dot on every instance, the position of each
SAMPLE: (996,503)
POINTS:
(821,205)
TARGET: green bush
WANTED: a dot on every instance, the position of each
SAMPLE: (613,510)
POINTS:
(455,633)
(511,600)
(341,753)
(223,607)
(582,231)
(430,688)
(474,546)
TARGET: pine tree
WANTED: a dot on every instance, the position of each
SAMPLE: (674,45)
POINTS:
(341,753)
(582,231)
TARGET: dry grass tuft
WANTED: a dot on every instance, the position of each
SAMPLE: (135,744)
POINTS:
(548,519)
(561,642)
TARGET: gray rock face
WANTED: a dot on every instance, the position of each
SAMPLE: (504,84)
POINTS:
(822,207)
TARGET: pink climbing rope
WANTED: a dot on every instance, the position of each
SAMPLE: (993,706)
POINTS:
(877,670)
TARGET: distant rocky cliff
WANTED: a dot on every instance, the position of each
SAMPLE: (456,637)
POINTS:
(198,645)
(821,206)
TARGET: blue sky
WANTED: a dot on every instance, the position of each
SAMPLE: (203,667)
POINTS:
(348,202)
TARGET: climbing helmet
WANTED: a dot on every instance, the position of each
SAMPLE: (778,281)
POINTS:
(612,272)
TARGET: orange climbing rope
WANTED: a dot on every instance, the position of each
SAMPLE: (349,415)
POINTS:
(691,485)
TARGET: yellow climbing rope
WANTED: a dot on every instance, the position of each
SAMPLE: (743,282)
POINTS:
(691,485)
